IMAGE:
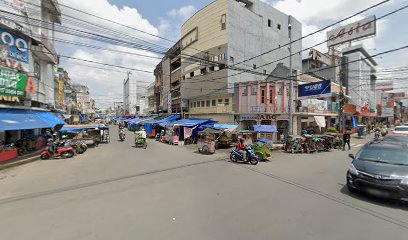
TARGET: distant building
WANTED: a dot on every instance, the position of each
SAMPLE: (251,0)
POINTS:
(134,96)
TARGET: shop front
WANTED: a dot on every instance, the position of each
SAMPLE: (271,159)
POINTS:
(281,121)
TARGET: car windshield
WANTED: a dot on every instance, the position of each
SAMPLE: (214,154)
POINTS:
(389,156)
(401,129)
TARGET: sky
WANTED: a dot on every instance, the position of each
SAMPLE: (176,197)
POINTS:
(164,17)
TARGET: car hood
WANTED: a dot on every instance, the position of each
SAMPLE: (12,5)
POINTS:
(380,168)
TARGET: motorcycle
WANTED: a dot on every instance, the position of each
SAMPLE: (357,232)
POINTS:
(251,158)
(377,134)
(63,152)
(122,136)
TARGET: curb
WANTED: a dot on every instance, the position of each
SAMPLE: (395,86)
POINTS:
(19,162)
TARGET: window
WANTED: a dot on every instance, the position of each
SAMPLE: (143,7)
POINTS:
(232,59)
(214,103)
(254,90)
(270,95)
(37,70)
(254,66)
(244,91)
(263,96)
(203,71)
(222,66)
(208,103)
(269,23)
(226,101)
(219,101)
(202,103)
(279,26)
(191,105)
(211,68)
(192,74)
(223,21)
(195,104)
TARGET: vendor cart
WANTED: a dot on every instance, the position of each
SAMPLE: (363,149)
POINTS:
(207,140)
(104,134)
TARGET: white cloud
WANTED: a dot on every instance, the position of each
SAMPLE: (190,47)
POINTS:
(184,12)
(106,85)
(170,25)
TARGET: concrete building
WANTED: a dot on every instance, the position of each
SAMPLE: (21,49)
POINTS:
(151,105)
(222,35)
(168,82)
(29,26)
(361,80)
(134,95)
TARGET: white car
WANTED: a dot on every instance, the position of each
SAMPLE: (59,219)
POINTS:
(401,130)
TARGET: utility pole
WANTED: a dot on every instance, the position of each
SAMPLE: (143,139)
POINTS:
(342,95)
(290,130)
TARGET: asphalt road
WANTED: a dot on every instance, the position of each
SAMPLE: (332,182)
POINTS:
(116,191)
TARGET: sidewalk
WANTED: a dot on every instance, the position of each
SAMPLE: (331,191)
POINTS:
(34,156)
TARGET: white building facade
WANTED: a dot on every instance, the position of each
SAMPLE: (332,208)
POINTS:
(135,99)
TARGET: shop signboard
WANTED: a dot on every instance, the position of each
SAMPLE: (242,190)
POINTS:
(315,90)
(353,31)
(249,117)
(14,51)
(315,105)
(12,85)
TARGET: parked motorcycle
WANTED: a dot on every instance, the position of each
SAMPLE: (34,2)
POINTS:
(251,158)
(63,152)
(377,134)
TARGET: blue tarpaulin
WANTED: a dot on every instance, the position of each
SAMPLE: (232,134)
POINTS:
(225,126)
(50,118)
(149,125)
(81,117)
(355,123)
(13,119)
(79,128)
(265,128)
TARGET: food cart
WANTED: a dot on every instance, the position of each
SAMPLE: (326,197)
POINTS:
(262,149)
(207,140)
(104,134)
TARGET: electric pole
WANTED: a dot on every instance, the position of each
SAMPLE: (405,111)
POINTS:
(290,130)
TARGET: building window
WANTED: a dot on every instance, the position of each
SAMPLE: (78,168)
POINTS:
(208,103)
(279,26)
(263,96)
(254,90)
(203,71)
(37,70)
(198,104)
(191,105)
(244,91)
(192,74)
(195,104)
(226,101)
(214,103)
(219,101)
(223,21)
(270,95)
(222,66)
(269,23)
(202,103)
(254,66)
(232,59)
(211,68)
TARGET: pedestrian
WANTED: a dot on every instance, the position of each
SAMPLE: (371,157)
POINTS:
(346,140)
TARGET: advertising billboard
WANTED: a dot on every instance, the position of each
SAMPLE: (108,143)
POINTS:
(353,31)
(14,51)
(12,83)
(315,90)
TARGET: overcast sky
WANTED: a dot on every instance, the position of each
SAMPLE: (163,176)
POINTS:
(164,18)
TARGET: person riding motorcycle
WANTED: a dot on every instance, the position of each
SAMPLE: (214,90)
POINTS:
(377,133)
(51,147)
(121,125)
(241,148)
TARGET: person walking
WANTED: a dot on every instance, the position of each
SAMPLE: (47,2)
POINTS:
(346,140)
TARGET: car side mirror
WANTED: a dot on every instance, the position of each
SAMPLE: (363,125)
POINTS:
(352,156)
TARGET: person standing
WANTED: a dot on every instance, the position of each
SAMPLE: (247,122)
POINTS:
(346,140)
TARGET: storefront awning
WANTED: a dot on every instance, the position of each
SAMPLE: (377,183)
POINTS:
(13,119)
(225,126)
(191,122)
(265,128)
(50,118)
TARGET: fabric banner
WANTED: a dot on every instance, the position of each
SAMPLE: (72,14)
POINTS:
(188,132)
(321,121)
(12,83)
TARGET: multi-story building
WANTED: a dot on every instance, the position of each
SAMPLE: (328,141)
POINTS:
(361,81)
(134,95)
(83,98)
(216,41)
(28,27)
(168,82)
(151,106)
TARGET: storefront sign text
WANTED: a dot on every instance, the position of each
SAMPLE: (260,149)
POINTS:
(14,51)
(12,83)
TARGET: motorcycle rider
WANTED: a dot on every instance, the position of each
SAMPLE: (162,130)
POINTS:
(51,147)
(241,148)
(377,133)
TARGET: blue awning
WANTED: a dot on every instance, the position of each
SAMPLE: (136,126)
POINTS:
(191,122)
(50,118)
(149,125)
(13,119)
(265,128)
(225,126)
